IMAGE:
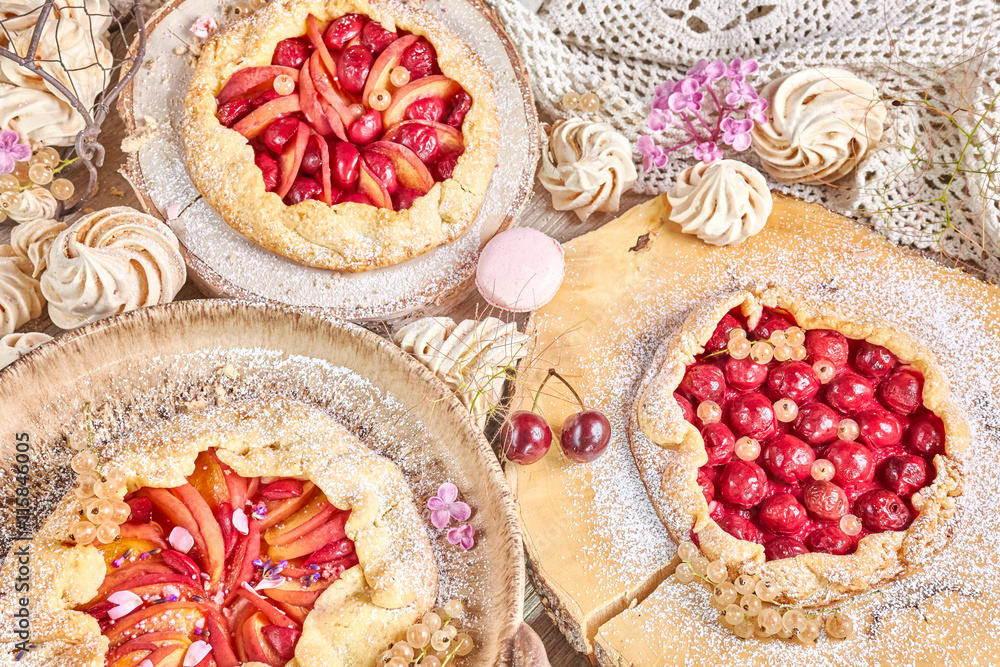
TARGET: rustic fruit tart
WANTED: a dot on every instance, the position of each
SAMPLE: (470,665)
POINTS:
(820,452)
(348,134)
(256,534)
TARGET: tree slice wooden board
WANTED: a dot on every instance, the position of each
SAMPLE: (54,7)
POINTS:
(599,556)
(225,263)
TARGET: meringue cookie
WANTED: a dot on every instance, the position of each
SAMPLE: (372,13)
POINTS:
(36,204)
(16,345)
(20,297)
(520,269)
(723,202)
(39,115)
(471,358)
(111,262)
(822,122)
(586,166)
(31,240)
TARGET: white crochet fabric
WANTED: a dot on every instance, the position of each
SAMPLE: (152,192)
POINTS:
(621,49)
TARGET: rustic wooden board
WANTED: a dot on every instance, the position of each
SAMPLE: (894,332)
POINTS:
(591,537)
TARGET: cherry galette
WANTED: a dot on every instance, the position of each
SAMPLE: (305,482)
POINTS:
(793,435)
(373,107)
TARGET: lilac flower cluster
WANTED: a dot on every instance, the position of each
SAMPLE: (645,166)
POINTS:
(684,104)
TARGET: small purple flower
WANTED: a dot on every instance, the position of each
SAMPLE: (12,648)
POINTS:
(707,151)
(259,512)
(463,535)
(740,92)
(660,120)
(756,109)
(736,133)
(11,151)
(739,68)
(685,96)
(446,506)
(707,72)
(664,89)
(652,155)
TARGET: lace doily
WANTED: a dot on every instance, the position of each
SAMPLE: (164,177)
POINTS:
(621,49)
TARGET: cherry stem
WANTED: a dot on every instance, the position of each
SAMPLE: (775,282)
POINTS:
(554,374)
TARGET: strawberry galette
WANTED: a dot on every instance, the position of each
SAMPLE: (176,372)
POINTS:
(257,534)
(821,452)
(344,134)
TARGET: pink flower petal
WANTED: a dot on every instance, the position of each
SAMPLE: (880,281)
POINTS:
(468,542)
(440,518)
(196,653)
(126,602)
(146,663)
(240,522)
(269,583)
(436,503)
(172,212)
(448,492)
(460,511)
(181,539)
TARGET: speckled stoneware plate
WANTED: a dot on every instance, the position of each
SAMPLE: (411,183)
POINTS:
(151,364)
(225,263)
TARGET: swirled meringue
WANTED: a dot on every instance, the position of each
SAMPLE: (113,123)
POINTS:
(16,345)
(20,297)
(822,123)
(38,115)
(586,166)
(110,262)
(723,202)
(20,15)
(31,240)
(471,358)
(36,204)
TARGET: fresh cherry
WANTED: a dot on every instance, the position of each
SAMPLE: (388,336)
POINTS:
(268,168)
(795,380)
(742,484)
(739,528)
(719,443)
(282,639)
(279,132)
(291,52)
(849,393)
(312,159)
(829,540)
(381,167)
(770,322)
(784,547)
(376,38)
(825,500)
(303,188)
(525,437)
(782,513)
(343,30)
(904,474)
(445,166)
(878,428)
(827,344)
(353,67)
(873,360)
(926,435)
(356,198)
(404,198)
(231,112)
(264,98)
(745,374)
(901,391)
(817,423)
(142,509)
(420,139)
(366,129)
(685,405)
(427,108)
(788,459)
(460,106)
(585,435)
(881,510)
(751,414)
(419,59)
(703,382)
(720,337)
(852,462)
(707,487)
(345,161)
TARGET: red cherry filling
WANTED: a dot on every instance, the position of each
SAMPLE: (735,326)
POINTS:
(335,72)
(774,500)
(245,587)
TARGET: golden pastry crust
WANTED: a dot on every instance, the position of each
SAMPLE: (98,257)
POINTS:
(393,585)
(345,237)
(813,578)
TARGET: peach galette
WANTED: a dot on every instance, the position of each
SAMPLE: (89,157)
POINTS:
(820,452)
(344,134)
(257,534)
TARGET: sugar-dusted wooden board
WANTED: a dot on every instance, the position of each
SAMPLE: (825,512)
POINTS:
(592,538)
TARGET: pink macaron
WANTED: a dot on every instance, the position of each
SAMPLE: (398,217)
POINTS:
(520,269)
